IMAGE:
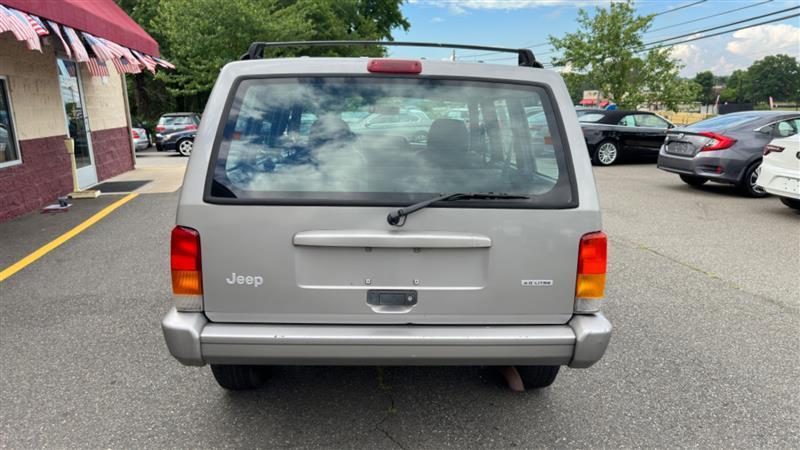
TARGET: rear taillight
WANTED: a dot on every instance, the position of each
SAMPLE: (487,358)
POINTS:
(394,66)
(187,280)
(591,280)
(160,128)
(190,127)
(772,149)
(716,142)
(134,134)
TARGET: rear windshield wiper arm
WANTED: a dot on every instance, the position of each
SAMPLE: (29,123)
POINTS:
(394,217)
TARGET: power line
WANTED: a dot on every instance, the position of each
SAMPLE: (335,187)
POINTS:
(712,16)
(778,19)
(541,44)
(679,8)
(723,26)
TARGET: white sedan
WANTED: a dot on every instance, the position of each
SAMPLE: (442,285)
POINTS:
(780,170)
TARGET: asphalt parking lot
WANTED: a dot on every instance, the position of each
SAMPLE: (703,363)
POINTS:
(703,293)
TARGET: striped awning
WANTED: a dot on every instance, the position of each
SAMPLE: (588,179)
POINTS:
(94,51)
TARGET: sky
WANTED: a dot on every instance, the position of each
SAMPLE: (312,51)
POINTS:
(524,23)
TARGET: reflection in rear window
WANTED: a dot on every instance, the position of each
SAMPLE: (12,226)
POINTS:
(590,117)
(296,140)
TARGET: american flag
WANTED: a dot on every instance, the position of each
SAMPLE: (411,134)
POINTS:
(146,61)
(12,20)
(100,50)
(126,62)
(36,25)
(164,63)
(97,68)
(77,47)
(57,31)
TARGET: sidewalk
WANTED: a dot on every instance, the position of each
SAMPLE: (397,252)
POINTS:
(164,170)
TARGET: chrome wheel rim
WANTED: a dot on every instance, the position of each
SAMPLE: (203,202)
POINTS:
(753,178)
(186,147)
(607,153)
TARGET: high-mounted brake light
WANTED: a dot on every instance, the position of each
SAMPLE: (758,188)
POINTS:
(772,149)
(716,141)
(591,280)
(394,66)
(186,268)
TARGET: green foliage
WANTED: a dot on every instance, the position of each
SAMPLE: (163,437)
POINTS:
(606,50)
(776,76)
(201,36)
(706,82)
(737,88)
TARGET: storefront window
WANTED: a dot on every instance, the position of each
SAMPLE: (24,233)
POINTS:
(9,152)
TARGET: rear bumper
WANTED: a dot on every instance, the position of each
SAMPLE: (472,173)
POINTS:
(193,340)
(703,164)
(780,182)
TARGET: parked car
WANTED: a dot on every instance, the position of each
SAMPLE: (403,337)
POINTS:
(176,131)
(612,134)
(780,169)
(141,141)
(412,124)
(350,249)
(724,149)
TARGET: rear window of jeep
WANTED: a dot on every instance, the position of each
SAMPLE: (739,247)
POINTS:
(386,141)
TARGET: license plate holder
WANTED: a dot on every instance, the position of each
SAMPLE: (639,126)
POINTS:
(680,148)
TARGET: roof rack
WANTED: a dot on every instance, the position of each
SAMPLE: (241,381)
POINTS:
(525,56)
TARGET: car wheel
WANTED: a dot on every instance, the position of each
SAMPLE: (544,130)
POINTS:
(535,377)
(748,184)
(694,181)
(791,202)
(239,378)
(606,153)
(185,147)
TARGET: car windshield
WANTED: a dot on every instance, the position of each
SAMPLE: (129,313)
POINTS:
(291,140)
(590,117)
(722,122)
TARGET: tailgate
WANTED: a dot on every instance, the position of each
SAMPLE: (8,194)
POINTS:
(505,267)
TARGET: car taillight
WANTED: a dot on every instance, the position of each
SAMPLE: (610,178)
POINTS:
(591,280)
(134,134)
(191,127)
(716,141)
(394,66)
(185,262)
(772,149)
(160,128)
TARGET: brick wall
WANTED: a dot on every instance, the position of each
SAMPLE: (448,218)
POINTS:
(43,176)
(112,152)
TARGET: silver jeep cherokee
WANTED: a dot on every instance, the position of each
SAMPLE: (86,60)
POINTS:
(316,244)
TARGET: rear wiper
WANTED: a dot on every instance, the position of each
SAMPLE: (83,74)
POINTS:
(394,217)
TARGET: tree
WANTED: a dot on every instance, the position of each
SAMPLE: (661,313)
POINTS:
(737,88)
(204,35)
(606,49)
(201,36)
(706,82)
(776,76)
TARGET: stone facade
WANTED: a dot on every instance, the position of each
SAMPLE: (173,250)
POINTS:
(39,119)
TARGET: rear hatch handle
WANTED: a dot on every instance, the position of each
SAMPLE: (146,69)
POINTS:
(390,239)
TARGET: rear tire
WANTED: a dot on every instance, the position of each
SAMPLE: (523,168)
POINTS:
(239,378)
(537,377)
(748,184)
(693,181)
(606,153)
(185,147)
(791,202)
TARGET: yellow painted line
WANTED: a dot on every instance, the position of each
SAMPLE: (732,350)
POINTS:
(43,250)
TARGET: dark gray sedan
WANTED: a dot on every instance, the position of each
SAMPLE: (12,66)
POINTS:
(724,149)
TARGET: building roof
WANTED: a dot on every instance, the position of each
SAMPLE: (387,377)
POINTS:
(101,18)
